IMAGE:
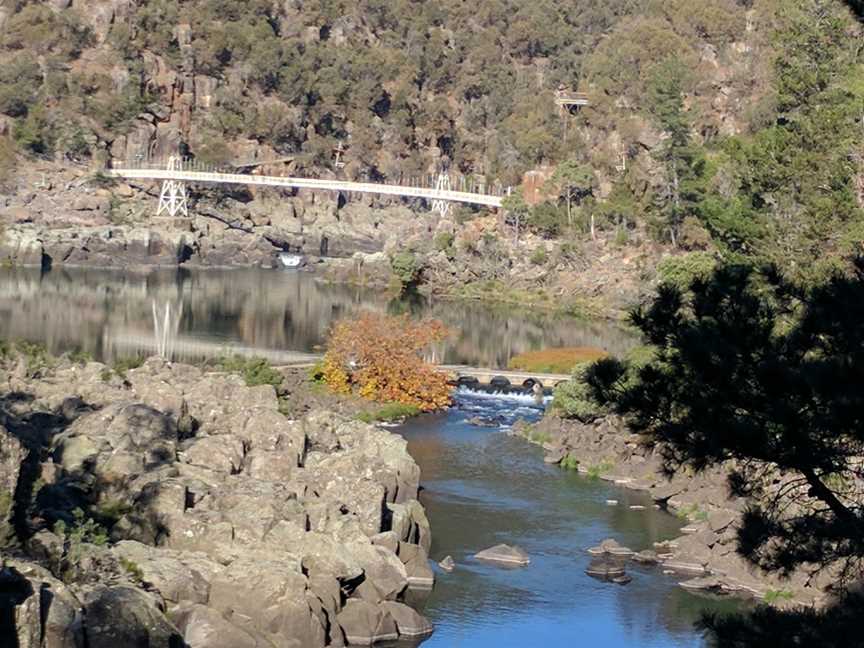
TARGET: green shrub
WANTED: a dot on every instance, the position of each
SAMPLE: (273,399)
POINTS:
(255,371)
(547,219)
(444,241)
(539,255)
(82,530)
(572,398)
(406,267)
(110,511)
(20,80)
(680,271)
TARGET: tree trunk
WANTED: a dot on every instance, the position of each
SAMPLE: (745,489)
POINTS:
(820,491)
(569,217)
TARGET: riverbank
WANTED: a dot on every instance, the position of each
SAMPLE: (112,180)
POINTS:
(166,503)
(704,558)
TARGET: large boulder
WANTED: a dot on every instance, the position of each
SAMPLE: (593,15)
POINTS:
(126,616)
(409,623)
(365,623)
(504,555)
(204,627)
(268,597)
(43,610)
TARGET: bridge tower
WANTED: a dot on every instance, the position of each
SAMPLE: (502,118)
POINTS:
(173,196)
(442,184)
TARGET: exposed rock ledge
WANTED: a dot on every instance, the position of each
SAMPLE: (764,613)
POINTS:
(708,547)
(233,526)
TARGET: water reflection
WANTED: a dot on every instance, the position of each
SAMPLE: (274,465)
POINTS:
(91,309)
(483,487)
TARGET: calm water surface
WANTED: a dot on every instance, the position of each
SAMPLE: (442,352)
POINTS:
(482,487)
(95,310)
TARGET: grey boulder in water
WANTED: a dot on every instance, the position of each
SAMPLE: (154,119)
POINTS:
(448,564)
(504,555)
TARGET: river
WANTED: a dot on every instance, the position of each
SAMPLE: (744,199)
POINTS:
(481,486)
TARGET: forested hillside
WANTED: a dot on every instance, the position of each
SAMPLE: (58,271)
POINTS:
(732,127)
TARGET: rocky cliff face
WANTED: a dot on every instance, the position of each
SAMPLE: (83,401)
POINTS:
(225,523)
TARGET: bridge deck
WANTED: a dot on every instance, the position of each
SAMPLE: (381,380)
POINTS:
(488,200)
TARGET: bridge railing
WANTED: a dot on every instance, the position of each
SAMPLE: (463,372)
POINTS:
(459,183)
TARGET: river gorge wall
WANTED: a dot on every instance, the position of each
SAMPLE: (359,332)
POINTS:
(163,505)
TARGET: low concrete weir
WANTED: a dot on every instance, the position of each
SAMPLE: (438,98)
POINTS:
(497,377)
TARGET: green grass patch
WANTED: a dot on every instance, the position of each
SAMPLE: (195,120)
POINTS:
(773,596)
(132,568)
(693,513)
(389,413)
(36,357)
(79,356)
(538,437)
(602,468)
(569,463)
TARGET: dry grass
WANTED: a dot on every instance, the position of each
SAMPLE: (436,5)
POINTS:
(560,360)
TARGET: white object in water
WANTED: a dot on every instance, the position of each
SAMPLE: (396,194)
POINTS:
(290,260)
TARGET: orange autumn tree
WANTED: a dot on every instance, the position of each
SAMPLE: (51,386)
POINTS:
(379,356)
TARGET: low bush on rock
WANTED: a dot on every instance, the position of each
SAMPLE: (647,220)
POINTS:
(122,365)
(255,371)
(379,357)
(572,399)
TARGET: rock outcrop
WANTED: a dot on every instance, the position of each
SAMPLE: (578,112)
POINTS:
(705,556)
(255,530)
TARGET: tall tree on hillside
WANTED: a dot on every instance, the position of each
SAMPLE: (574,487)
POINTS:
(684,163)
(576,182)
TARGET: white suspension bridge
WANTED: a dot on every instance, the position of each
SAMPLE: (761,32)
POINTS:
(440,190)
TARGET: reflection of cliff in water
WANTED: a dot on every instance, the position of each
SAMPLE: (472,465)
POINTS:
(78,308)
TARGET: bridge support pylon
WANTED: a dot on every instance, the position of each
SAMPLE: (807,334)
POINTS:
(442,184)
(172,198)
